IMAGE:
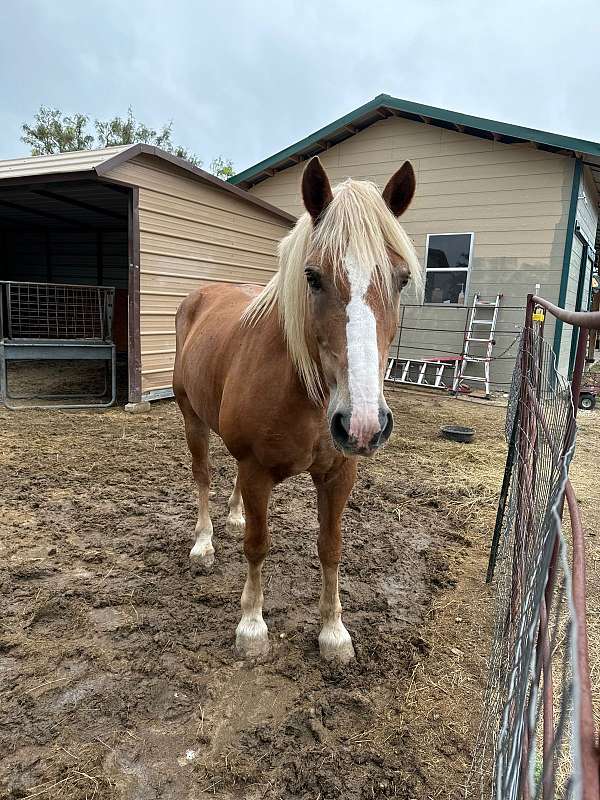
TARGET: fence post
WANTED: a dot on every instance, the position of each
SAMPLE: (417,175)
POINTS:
(522,445)
(510,460)
(578,366)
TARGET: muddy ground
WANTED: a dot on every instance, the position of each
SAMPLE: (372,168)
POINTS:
(118,677)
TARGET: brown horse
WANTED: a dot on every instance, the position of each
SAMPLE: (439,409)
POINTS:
(291,376)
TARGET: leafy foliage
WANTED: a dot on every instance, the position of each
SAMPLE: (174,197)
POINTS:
(222,167)
(54,132)
(129,131)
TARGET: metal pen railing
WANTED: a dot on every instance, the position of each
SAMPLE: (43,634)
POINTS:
(56,311)
(537,737)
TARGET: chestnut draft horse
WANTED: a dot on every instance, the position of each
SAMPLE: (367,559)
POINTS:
(290,376)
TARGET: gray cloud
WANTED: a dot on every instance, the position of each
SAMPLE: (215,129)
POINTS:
(245,79)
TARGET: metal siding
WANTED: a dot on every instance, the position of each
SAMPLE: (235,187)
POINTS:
(190,234)
(514,198)
(168,180)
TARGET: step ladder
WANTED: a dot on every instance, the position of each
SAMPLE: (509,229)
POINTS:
(479,333)
(433,373)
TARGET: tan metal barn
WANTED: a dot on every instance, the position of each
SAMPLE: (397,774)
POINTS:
(142,221)
(499,208)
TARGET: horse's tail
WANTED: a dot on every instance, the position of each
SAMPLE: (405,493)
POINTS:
(184,318)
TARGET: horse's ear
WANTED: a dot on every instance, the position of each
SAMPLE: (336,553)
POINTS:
(316,189)
(400,189)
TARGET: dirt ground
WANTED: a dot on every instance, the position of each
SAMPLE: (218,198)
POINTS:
(118,677)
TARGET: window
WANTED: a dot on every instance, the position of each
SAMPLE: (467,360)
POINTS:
(447,260)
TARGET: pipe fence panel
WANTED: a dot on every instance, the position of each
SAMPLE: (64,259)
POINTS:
(537,737)
(57,311)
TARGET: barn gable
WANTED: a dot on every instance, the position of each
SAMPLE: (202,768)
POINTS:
(510,196)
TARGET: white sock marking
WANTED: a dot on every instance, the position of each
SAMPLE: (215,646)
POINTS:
(203,546)
(334,639)
(251,635)
(203,549)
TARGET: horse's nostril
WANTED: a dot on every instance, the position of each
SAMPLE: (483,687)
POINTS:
(389,424)
(386,420)
(340,426)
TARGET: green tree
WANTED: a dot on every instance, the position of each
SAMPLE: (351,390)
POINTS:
(128,130)
(222,167)
(55,132)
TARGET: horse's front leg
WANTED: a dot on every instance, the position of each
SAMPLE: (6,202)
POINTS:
(251,636)
(333,490)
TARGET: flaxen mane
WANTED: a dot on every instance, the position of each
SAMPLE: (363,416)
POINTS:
(357,221)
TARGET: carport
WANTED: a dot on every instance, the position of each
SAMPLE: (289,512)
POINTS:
(101,247)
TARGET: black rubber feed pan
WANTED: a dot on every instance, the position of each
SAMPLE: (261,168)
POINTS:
(457,433)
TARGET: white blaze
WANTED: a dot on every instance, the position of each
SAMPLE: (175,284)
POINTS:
(363,357)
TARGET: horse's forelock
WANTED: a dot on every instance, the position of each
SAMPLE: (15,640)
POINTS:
(357,220)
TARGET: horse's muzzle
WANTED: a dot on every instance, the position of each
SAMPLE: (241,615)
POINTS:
(370,439)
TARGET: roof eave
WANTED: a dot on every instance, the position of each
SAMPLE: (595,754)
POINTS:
(106,167)
(383,105)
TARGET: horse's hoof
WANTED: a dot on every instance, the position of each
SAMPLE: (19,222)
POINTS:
(201,563)
(252,638)
(335,644)
(236,526)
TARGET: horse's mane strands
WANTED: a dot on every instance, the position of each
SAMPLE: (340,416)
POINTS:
(356,221)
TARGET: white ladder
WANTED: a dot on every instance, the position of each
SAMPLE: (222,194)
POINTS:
(428,372)
(480,330)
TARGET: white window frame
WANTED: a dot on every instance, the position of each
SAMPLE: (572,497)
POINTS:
(467,270)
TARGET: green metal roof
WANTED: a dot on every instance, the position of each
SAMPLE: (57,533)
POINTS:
(385,106)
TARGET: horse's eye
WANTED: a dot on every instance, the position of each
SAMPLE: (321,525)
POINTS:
(313,279)
(403,280)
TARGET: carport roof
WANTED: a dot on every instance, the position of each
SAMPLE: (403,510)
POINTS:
(78,161)
(92,163)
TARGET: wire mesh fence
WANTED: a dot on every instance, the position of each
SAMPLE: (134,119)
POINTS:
(57,311)
(456,348)
(530,742)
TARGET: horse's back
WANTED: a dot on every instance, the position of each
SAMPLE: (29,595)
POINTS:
(218,298)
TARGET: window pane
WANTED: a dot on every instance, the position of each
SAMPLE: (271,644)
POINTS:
(446,286)
(449,251)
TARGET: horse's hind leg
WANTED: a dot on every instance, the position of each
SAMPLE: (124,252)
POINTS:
(235,520)
(202,554)
(251,636)
(332,493)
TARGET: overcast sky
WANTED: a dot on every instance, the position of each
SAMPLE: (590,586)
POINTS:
(245,79)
